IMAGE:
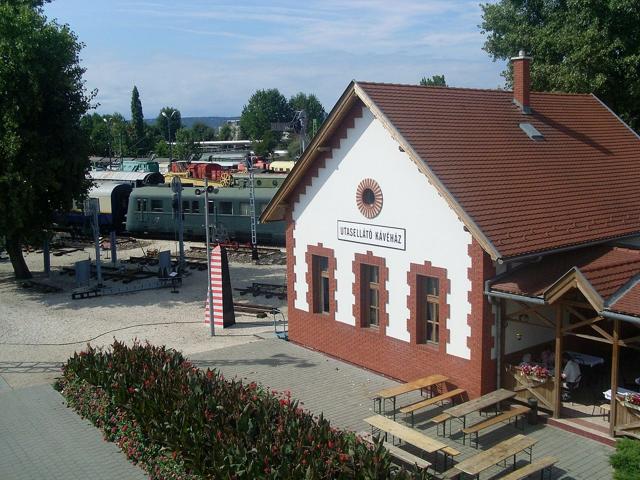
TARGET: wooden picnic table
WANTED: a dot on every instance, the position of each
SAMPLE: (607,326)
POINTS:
(406,434)
(493,398)
(496,454)
(391,393)
(409,435)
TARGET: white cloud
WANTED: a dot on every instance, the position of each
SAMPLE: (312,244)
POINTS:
(207,58)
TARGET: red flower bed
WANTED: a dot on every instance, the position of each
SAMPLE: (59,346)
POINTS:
(182,422)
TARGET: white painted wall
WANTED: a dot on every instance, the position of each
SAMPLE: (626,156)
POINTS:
(433,231)
(519,336)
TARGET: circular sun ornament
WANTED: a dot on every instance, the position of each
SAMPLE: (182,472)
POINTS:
(369,198)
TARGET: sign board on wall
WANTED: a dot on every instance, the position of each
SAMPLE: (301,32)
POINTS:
(378,235)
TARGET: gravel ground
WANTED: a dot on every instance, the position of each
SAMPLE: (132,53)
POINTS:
(40,330)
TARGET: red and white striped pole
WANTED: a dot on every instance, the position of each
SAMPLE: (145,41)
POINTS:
(214,312)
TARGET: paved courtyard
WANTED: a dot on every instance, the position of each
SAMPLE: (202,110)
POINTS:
(40,438)
(342,392)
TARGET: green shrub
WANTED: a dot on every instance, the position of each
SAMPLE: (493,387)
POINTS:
(212,427)
(626,460)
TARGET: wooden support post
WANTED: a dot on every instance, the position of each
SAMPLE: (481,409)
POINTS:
(615,353)
(557,397)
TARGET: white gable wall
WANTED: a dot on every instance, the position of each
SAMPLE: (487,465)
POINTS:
(433,231)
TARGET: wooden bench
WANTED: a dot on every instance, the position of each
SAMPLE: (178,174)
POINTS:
(397,453)
(431,401)
(495,455)
(449,452)
(514,412)
(441,419)
(380,398)
(406,457)
(538,466)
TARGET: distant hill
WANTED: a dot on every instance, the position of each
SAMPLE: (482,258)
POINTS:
(213,122)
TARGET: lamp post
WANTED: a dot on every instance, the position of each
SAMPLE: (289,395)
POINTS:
(208,190)
(108,122)
(169,117)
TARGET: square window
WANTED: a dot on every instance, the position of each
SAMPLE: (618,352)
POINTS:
(225,208)
(195,206)
(245,208)
(156,205)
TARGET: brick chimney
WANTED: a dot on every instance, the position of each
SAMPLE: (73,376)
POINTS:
(521,81)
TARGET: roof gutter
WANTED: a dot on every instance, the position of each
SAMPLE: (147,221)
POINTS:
(511,296)
(620,316)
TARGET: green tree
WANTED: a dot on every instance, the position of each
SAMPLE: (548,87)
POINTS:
(169,119)
(580,46)
(43,149)
(137,123)
(185,144)
(266,145)
(293,149)
(264,108)
(434,81)
(202,132)
(226,132)
(312,107)
(120,134)
(97,132)
(161,148)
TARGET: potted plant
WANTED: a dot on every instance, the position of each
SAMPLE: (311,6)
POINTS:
(536,373)
(632,400)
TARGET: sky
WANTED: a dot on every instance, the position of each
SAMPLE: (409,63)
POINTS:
(207,58)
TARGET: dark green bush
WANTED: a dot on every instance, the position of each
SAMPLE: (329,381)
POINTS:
(626,460)
(220,428)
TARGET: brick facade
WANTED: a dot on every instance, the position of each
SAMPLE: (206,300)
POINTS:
(481,319)
(371,348)
(392,357)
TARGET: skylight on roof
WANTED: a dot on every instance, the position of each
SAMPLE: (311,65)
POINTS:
(532,132)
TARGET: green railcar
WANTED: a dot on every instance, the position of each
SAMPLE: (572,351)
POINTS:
(151,213)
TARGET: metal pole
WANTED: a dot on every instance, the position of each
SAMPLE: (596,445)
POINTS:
(180,231)
(206,229)
(170,145)
(96,237)
(114,248)
(47,257)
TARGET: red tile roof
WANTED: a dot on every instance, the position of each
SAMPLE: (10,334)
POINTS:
(629,303)
(580,184)
(607,269)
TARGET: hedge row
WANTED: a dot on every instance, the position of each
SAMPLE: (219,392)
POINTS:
(181,421)
(626,459)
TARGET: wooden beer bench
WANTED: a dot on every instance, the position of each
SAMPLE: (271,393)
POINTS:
(397,453)
(539,465)
(414,407)
(425,383)
(411,436)
(495,455)
(514,412)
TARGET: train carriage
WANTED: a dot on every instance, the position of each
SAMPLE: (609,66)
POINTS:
(151,212)
(113,200)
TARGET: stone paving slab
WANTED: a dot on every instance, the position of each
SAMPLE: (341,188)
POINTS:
(41,438)
(342,392)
